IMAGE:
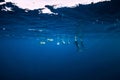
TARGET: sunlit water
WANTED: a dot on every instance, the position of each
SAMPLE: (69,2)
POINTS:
(42,47)
(31,54)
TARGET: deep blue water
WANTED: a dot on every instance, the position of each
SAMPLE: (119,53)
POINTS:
(42,46)
(26,59)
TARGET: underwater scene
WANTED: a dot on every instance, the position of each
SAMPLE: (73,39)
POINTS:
(70,43)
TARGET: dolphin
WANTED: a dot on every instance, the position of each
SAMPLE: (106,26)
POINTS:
(79,44)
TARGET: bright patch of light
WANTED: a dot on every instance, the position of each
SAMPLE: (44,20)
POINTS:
(7,9)
(58,43)
(1,3)
(39,11)
(36,4)
(40,30)
(26,10)
(63,41)
(47,11)
(75,38)
(42,42)
(3,29)
(31,29)
(50,39)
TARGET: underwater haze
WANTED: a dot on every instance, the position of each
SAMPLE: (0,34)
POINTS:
(70,43)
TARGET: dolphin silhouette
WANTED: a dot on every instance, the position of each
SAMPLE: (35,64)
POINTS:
(79,44)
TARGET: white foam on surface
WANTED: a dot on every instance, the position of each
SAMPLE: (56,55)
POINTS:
(36,4)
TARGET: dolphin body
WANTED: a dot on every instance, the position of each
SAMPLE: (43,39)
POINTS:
(78,44)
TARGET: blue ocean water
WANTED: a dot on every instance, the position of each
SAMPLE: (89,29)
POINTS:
(42,46)
(26,59)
